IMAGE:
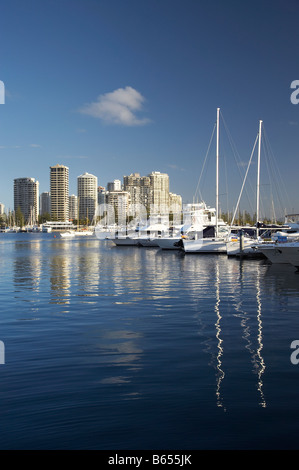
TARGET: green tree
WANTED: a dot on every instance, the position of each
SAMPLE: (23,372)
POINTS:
(44,217)
(19,217)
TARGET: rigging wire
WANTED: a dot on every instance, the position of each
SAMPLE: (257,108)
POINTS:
(204,163)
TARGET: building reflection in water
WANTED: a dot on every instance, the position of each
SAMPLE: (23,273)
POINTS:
(60,268)
(27,266)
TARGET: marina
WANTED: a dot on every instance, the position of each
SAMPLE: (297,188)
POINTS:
(149,228)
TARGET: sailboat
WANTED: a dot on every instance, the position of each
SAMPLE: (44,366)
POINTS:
(243,244)
(217,242)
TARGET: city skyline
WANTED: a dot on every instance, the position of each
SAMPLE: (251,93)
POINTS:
(117,98)
(89,195)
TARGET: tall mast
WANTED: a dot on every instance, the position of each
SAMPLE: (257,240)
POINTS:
(217,172)
(258,181)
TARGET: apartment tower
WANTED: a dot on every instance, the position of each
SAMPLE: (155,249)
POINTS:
(26,197)
(59,187)
(87,196)
(45,203)
(159,194)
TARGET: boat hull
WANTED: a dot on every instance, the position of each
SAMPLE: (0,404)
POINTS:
(171,243)
(125,241)
(205,245)
(282,254)
(148,242)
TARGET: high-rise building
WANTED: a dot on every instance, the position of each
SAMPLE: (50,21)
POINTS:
(59,187)
(175,202)
(139,189)
(1,208)
(102,195)
(73,207)
(114,186)
(87,196)
(119,201)
(45,203)
(26,197)
(159,194)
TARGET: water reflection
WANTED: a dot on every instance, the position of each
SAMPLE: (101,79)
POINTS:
(236,293)
(140,275)
(27,267)
(143,300)
(220,372)
(249,335)
(60,279)
(260,363)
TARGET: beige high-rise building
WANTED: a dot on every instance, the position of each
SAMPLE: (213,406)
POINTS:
(139,189)
(26,197)
(159,194)
(175,202)
(87,196)
(59,188)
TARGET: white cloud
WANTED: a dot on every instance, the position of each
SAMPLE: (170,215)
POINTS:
(175,167)
(118,107)
(35,145)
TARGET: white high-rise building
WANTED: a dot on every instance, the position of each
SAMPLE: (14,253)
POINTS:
(87,196)
(59,187)
(73,207)
(1,208)
(114,186)
(26,197)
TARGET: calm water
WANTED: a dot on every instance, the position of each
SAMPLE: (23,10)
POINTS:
(134,348)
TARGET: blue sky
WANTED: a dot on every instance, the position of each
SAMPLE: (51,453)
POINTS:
(119,86)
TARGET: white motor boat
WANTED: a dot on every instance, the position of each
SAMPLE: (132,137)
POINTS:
(205,245)
(208,241)
(68,234)
(196,217)
(146,235)
(84,233)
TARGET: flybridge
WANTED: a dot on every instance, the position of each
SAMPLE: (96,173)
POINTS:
(2,92)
